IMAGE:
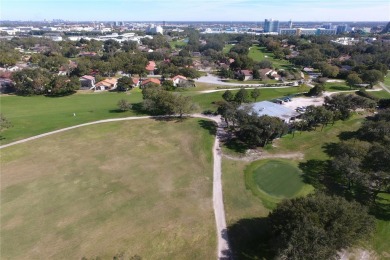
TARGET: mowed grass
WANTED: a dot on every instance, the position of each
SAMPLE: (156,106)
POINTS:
(139,187)
(207,100)
(380,94)
(311,143)
(337,86)
(34,115)
(258,53)
(275,180)
(278,178)
(239,201)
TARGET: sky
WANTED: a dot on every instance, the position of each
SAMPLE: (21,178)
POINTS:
(195,10)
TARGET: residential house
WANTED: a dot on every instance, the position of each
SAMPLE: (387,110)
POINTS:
(87,54)
(178,79)
(87,82)
(268,73)
(244,74)
(149,81)
(151,67)
(136,82)
(107,84)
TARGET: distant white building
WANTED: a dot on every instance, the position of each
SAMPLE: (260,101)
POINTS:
(153,29)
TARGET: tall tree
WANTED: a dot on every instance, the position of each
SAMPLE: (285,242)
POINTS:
(317,226)
(255,94)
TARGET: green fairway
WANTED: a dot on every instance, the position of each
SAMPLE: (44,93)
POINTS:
(140,187)
(387,80)
(227,48)
(337,86)
(260,53)
(34,115)
(311,143)
(380,94)
(206,100)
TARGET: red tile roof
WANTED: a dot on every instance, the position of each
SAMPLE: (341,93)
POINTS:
(151,66)
(151,80)
(179,77)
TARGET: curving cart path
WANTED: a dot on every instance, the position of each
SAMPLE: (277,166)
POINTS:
(224,251)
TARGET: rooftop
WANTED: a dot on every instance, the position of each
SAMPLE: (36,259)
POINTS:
(272,109)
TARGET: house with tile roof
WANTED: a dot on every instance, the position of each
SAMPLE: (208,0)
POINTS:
(107,84)
(87,82)
(149,81)
(151,67)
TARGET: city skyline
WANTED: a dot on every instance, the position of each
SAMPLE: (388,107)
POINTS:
(200,10)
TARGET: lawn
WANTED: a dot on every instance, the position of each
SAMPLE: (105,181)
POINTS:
(179,43)
(140,187)
(260,53)
(387,79)
(38,114)
(380,94)
(227,48)
(252,81)
(337,86)
(311,143)
(238,199)
(35,115)
(274,180)
(206,100)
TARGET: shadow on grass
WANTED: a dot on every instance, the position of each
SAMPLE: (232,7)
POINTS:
(347,135)
(208,125)
(249,239)
(381,209)
(341,88)
(138,109)
(236,145)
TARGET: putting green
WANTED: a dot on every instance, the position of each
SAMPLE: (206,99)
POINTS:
(278,179)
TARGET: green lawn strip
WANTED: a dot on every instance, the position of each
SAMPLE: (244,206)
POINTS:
(180,43)
(227,48)
(206,100)
(239,201)
(387,80)
(140,187)
(380,94)
(337,86)
(260,53)
(34,115)
(310,143)
(380,241)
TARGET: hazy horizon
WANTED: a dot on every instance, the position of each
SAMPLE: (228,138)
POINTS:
(196,10)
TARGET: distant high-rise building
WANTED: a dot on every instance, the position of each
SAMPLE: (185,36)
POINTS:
(327,26)
(290,24)
(271,25)
(153,29)
(342,28)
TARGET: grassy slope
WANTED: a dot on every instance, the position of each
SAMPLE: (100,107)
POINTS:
(311,145)
(38,114)
(142,187)
(205,100)
(258,54)
(380,94)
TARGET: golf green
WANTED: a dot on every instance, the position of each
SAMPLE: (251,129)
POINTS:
(278,179)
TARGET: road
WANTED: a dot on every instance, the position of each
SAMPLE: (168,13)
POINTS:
(211,79)
(386,88)
(224,251)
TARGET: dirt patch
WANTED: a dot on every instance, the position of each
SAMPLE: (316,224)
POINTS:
(254,155)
